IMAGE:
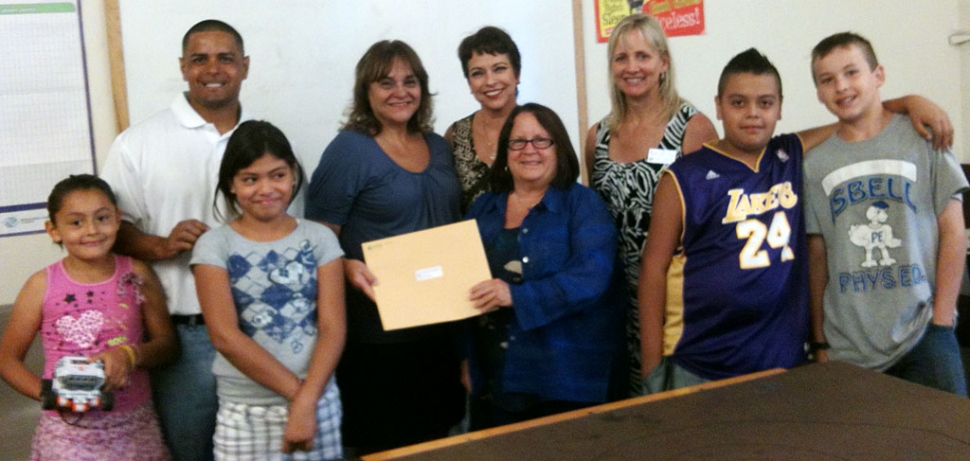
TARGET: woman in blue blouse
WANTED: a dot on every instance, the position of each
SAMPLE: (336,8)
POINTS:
(551,339)
(387,174)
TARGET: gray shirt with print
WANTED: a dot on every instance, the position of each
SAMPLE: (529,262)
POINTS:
(875,202)
(274,288)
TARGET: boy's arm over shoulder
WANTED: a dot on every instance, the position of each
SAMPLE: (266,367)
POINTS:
(815,136)
(666,227)
(929,120)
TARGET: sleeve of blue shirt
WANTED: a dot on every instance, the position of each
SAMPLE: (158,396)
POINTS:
(568,247)
(336,181)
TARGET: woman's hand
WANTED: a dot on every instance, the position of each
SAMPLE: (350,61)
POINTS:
(360,276)
(117,367)
(490,295)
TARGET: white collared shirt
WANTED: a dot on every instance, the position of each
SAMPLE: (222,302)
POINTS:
(164,170)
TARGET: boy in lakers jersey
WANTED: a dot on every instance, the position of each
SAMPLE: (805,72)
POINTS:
(724,281)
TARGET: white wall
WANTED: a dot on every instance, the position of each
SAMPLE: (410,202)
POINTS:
(301,71)
(910,39)
(23,255)
(962,130)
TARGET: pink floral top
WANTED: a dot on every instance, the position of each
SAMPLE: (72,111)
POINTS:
(85,319)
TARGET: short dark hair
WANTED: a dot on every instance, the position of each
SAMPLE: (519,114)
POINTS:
(213,25)
(489,40)
(251,141)
(73,183)
(750,61)
(844,40)
(373,66)
(567,166)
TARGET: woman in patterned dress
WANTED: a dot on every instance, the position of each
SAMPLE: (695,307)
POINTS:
(648,127)
(491,63)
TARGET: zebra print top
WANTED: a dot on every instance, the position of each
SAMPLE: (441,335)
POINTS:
(628,188)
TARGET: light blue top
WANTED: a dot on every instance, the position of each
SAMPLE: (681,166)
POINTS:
(274,287)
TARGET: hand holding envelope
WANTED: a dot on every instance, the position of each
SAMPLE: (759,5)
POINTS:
(425,277)
(491,295)
(360,276)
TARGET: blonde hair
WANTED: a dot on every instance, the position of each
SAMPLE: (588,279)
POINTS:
(652,31)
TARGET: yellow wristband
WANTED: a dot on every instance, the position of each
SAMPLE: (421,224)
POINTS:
(132,357)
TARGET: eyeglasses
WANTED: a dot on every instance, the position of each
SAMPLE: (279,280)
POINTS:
(538,143)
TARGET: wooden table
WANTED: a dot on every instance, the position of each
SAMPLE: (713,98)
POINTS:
(820,412)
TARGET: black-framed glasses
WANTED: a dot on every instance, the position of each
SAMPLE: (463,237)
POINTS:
(538,143)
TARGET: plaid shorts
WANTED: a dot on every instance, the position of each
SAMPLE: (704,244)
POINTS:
(255,432)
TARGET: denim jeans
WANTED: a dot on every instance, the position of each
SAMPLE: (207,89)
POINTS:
(668,376)
(934,361)
(184,392)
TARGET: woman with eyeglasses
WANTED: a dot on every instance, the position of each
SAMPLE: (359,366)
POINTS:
(385,174)
(550,339)
(491,63)
(648,127)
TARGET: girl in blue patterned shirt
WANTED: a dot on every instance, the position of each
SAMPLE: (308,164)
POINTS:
(271,290)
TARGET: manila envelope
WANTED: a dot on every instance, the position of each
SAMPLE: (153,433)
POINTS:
(425,277)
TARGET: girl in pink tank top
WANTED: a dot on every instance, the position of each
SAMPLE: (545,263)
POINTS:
(94,304)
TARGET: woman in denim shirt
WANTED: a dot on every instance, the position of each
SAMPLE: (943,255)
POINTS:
(551,338)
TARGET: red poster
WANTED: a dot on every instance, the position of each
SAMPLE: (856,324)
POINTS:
(678,17)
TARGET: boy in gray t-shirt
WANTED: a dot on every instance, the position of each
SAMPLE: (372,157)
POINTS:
(885,226)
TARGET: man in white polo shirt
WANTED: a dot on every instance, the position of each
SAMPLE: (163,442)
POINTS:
(164,171)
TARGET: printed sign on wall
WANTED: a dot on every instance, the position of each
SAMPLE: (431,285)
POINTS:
(678,17)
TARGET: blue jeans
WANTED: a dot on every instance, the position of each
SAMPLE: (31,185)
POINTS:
(934,361)
(184,392)
(668,376)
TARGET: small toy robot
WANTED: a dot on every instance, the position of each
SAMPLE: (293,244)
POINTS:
(76,386)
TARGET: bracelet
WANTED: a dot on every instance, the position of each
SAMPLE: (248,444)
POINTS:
(815,346)
(132,355)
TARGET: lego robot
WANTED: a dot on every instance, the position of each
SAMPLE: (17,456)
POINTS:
(76,386)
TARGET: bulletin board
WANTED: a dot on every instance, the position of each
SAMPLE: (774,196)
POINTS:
(45,121)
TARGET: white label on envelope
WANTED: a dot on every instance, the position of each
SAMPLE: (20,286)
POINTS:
(662,156)
(428,273)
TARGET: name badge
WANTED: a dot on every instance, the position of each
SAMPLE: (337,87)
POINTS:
(662,156)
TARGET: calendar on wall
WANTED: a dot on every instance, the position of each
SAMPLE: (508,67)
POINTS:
(45,117)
